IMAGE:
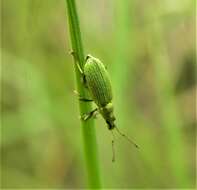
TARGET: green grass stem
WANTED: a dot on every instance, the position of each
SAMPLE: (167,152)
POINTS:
(88,130)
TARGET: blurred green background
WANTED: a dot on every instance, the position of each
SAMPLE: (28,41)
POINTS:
(149,50)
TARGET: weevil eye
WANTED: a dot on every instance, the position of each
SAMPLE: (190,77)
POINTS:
(109,107)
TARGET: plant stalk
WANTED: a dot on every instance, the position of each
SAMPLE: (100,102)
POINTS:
(88,130)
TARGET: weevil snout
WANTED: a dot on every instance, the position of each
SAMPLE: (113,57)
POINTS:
(111,125)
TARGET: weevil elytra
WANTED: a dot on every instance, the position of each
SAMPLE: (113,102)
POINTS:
(97,80)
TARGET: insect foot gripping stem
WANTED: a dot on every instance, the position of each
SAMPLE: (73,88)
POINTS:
(76,61)
(82,98)
(90,114)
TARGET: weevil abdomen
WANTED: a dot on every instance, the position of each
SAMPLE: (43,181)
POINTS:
(98,81)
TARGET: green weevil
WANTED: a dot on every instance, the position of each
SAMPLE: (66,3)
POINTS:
(97,81)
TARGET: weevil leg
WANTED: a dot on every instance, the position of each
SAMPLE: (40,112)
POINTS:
(76,59)
(81,98)
(87,116)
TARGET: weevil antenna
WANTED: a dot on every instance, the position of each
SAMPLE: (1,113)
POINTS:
(128,139)
(113,149)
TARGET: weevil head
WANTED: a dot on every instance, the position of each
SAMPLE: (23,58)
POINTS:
(108,114)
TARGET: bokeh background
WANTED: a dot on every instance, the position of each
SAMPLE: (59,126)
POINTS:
(149,50)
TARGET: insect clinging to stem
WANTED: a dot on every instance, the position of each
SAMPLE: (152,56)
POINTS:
(97,80)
